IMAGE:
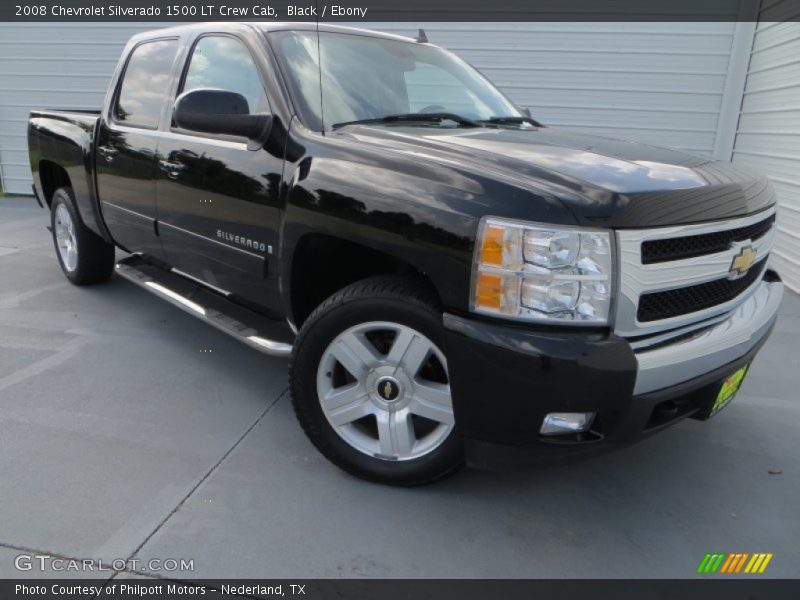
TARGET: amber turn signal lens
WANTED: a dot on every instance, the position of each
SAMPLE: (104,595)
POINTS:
(492,250)
(488,291)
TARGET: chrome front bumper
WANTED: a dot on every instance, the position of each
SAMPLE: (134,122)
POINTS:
(712,347)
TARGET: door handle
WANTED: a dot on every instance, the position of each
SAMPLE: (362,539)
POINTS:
(109,154)
(172,169)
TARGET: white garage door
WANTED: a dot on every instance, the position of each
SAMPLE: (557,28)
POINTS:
(661,83)
(50,65)
(768,137)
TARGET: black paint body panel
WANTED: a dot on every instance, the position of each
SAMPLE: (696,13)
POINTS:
(223,188)
(415,193)
(66,138)
(534,373)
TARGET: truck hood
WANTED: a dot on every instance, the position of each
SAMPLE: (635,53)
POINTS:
(603,181)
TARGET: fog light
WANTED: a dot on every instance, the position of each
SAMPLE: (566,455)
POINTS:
(557,423)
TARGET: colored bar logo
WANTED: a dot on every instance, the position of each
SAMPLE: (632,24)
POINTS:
(736,562)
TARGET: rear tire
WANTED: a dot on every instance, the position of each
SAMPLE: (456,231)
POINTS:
(85,257)
(386,413)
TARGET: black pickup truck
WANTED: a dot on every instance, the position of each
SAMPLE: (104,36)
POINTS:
(454,281)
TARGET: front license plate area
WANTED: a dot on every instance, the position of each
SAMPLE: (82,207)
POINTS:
(728,390)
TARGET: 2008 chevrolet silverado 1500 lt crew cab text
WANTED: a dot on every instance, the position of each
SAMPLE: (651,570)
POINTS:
(453,281)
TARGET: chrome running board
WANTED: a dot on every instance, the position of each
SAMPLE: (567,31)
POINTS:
(251,328)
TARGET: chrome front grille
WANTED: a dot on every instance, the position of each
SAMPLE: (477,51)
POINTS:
(665,250)
(656,306)
(673,277)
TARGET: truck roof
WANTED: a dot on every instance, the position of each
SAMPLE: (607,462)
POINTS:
(266,27)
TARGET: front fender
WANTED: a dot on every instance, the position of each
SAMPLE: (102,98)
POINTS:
(419,211)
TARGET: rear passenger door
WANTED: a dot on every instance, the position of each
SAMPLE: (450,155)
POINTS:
(218,200)
(126,146)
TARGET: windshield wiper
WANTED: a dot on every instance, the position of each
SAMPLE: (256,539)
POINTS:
(414,117)
(510,120)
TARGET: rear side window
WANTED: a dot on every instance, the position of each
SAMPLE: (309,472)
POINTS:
(224,63)
(145,84)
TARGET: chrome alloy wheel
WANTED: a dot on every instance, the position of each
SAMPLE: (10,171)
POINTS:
(66,239)
(385,391)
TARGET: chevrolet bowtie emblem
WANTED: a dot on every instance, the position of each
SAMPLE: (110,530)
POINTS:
(743,261)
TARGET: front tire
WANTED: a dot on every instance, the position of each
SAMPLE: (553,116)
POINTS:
(370,386)
(85,258)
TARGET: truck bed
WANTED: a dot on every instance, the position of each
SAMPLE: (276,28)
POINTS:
(62,141)
(69,115)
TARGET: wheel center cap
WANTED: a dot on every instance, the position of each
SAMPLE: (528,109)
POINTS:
(388,388)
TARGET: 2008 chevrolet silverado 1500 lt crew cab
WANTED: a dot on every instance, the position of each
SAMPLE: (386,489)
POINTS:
(452,280)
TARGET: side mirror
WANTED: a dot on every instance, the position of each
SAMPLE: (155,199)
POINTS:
(219,111)
(526,111)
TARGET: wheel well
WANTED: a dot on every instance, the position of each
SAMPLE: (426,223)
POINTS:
(323,265)
(53,177)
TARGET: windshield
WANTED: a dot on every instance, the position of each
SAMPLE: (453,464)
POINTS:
(369,78)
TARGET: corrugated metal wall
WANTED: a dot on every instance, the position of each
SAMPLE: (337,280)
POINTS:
(50,65)
(660,83)
(768,136)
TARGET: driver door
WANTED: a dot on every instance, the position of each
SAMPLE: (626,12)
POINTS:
(218,201)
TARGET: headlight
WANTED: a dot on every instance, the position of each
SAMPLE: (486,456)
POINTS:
(540,273)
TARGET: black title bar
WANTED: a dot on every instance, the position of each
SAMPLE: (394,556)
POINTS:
(140,588)
(411,11)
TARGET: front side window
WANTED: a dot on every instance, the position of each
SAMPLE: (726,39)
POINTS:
(366,77)
(145,84)
(224,63)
